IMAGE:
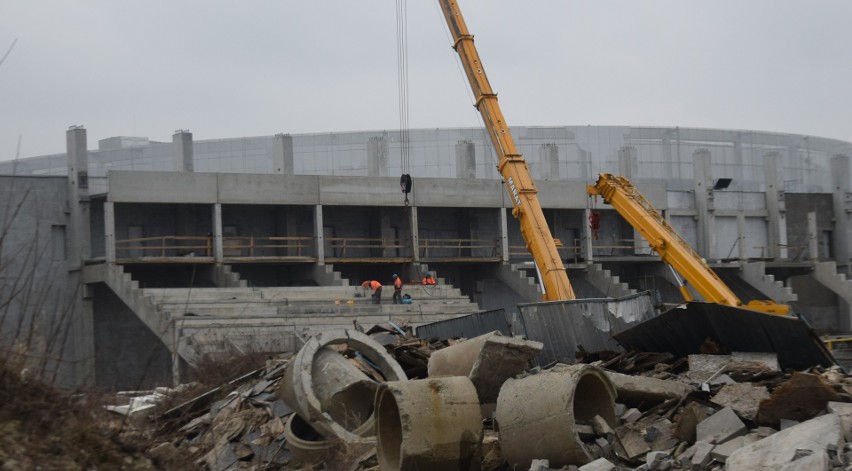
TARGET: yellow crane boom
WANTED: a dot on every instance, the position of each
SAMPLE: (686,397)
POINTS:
(669,245)
(512,166)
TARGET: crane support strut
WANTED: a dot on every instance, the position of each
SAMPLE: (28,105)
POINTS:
(512,166)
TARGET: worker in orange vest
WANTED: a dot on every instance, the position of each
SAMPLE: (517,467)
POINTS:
(397,289)
(428,280)
(377,290)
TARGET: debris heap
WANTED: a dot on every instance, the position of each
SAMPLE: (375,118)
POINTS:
(387,400)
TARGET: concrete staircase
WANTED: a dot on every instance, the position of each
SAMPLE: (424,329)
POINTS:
(515,276)
(224,321)
(754,273)
(826,273)
(606,282)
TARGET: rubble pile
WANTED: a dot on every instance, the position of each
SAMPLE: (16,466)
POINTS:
(387,400)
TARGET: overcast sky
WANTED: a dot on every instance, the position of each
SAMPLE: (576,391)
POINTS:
(247,68)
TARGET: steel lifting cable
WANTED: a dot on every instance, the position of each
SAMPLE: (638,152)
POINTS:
(402,83)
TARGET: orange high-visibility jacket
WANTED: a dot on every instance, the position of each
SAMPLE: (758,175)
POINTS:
(372,284)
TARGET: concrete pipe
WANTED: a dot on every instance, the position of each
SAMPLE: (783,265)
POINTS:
(536,415)
(311,448)
(488,360)
(304,442)
(428,424)
(330,393)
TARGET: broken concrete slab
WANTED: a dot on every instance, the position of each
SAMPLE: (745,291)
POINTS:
(800,398)
(778,449)
(701,457)
(707,368)
(720,427)
(631,439)
(488,360)
(844,411)
(631,415)
(743,398)
(688,419)
(600,464)
(818,461)
(540,465)
(660,435)
(721,452)
(634,390)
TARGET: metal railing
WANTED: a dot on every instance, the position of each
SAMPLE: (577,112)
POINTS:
(356,247)
(459,247)
(164,246)
(251,246)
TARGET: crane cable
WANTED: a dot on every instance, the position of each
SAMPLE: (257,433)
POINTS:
(402,83)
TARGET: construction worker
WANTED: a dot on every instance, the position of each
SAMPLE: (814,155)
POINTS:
(377,290)
(397,289)
(427,279)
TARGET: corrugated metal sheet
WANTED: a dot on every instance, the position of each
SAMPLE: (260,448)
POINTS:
(469,326)
(564,326)
(682,330)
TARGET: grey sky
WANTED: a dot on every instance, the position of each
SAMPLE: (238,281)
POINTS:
(247,68)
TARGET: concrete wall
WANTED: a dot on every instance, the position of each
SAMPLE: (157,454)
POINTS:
(128,356)
(822,304)
(40,318)
(798,207)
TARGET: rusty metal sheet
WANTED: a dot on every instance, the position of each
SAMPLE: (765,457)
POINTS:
(682,330)
(469,326)
(566,326)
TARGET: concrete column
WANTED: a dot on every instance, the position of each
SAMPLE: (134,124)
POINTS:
(377,156)
(775,207)
(387,233)
(319,235)
(738,151)
(668,162)
(79,249)
(842,196)
(549,157)
(218,251)
(282,155)
(109,231)
(703,188)
(587,238)
(182,142)
(291,225)
(78,197)
(504,233)
(465,160)
(627,162)
(813,247)
(415,233)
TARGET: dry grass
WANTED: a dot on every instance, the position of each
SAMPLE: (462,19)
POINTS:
(42,427)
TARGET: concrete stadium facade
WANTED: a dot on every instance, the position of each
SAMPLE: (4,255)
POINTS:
(103,226)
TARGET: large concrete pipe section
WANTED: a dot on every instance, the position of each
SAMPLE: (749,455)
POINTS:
(330,393)
(428,424)
(310,448)
(488,360)
(536,415)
